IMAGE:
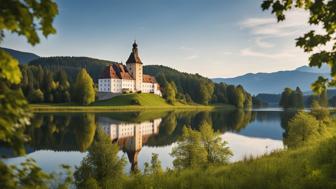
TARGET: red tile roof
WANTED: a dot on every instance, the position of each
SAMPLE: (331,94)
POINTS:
(116,71)
(148,79)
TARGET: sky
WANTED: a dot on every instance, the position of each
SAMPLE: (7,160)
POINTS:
(215,38)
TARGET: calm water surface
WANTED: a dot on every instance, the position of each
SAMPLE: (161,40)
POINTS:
(63,138)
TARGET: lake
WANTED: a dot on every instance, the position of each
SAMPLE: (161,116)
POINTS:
(63,138)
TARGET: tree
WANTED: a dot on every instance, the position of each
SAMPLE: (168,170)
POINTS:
(323,99)
(319,112)
(84,88)
(170,92)
(291,99)
(24,18)
(189,152)
(218,152)
(285,98)
(36,96)
(321,13)
(248,101)
(62,92)
(239,97)
(298,98)
(302,129)
(101,166)
(205,91)
(154,168)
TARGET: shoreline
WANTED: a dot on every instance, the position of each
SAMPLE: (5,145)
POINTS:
(79,108)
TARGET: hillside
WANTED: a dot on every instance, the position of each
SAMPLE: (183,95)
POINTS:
(188,85)
(189,88)
(73,64)
(22,57)
(133,99)
(274,82)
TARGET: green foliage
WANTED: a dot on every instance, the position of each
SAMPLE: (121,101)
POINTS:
(84,88)
(101,166)
(303,128)
(311,166)
(319,112)
(36,96)
(28,175)
(15,115)
(54,85)
(321,13)
(239,97)
(170,92)
(9,67)
(27,18)
(189,152)
(24,18)
(72,65)
(291,99)
(218,152)
(189,86)
(175,86)
(229,94)
(154,168)
(200,148)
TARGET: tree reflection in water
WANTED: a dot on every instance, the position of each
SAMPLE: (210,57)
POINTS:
(130,130)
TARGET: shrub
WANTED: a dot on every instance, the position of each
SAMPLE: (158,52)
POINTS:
(135,102)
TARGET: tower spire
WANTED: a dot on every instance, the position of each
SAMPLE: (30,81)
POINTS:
(134,56)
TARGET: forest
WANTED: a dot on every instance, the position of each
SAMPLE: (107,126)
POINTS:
(52,80)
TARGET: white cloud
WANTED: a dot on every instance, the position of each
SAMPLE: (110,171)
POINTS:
(295,24)
(278,55)
(267,33)
(254,22)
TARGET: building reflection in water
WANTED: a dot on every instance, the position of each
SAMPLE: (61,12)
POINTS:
(130,136)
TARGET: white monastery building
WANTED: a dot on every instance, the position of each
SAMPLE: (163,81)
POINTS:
(118,78)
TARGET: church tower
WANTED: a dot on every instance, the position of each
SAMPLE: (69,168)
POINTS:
(134,67)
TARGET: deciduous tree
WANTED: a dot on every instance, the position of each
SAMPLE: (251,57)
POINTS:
(84,88)
(321,14)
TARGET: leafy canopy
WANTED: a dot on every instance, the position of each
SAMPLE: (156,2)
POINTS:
(321,13)
(84,88)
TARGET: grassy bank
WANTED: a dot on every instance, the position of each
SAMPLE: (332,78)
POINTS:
(127,102)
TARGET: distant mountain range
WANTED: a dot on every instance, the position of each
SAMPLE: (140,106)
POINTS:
(22,57)
(275,82)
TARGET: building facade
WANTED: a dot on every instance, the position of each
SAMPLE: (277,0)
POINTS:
(120,78)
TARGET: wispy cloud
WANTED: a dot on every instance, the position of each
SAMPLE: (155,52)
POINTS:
(267,33)
(278,55)
(295,23)
(255,22)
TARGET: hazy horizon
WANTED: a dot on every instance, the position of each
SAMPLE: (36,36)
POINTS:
(214,38)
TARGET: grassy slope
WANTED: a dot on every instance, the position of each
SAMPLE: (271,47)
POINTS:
(124,103)
(126,100)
